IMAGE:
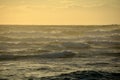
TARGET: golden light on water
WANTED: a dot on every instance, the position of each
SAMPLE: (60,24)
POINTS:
(60,12)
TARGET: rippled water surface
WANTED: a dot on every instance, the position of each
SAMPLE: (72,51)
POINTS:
(39,51)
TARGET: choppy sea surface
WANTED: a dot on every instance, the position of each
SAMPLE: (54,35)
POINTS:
(39,51)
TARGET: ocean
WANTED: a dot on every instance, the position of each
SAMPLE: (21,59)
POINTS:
(50,50)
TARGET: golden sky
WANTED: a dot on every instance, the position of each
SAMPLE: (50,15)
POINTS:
(60,12)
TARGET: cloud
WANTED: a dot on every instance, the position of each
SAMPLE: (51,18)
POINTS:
(77,3)
(56,4)
(2,6)
(114,3)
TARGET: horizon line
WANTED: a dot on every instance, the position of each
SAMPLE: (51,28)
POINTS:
(58,24)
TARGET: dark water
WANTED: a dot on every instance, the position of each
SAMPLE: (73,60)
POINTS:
(51,50)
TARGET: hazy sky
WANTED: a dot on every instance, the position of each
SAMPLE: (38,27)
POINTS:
(55,12)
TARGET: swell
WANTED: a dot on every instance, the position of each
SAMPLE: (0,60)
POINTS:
(83,75)
(64,35)
(83,40)
(55,55)
(63,54)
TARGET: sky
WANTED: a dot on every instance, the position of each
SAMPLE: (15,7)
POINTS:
(60,12)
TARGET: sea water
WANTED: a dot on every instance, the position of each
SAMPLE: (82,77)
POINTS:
(48,50)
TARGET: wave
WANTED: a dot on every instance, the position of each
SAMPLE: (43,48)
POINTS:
(4,38)
(104,44)
(75,45)
(83,75)
(63,35)
(116,30)
(63,54)
(115,37)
